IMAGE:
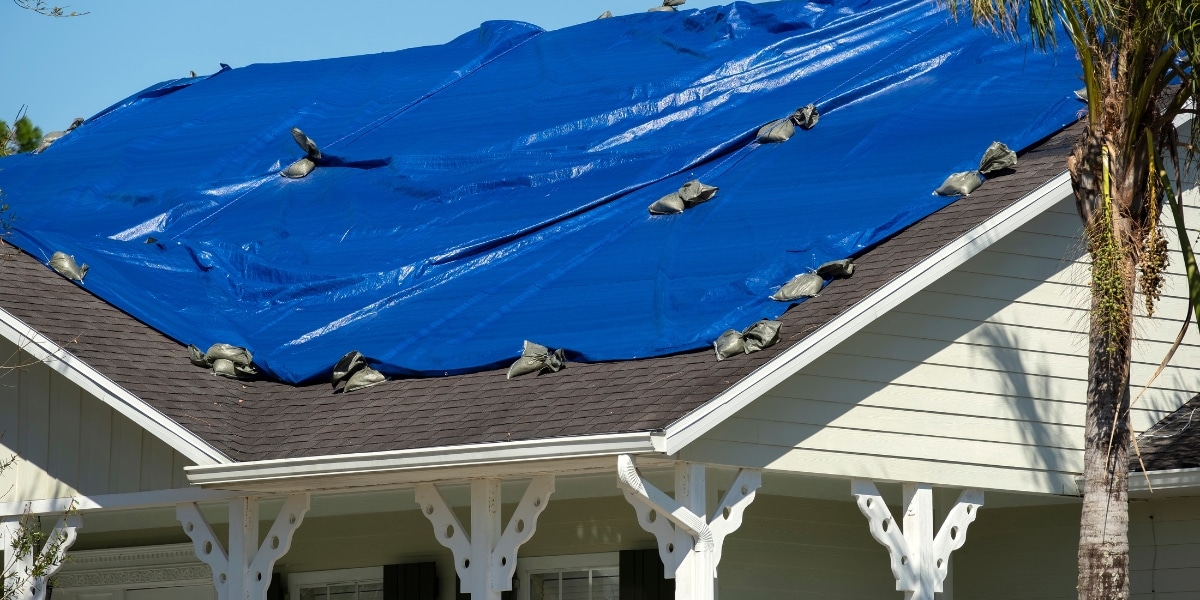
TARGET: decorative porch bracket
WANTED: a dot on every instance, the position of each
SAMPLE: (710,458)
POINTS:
(485,558)
(920,561)
(689,541)
(52,554)
(244,572)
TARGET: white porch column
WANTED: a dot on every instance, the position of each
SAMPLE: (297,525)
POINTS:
(689,541)
(244,572)
(486,557)
(920,561)
(21,561)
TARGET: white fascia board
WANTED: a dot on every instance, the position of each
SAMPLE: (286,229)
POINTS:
(113,501)
(1172,479)
(56,357)
(444,457)
(704,418)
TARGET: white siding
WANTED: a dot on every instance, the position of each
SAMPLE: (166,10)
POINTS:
(68,442)
(979,380)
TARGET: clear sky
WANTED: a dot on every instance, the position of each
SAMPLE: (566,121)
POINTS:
(67,68)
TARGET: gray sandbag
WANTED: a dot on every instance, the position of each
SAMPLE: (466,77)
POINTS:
(806,118)
(306,144)
(960,184)
(694,192)
(235,354)
(347,365)
(670,204)
(804,285)
(836,269)
(363,378)
(54,136)
(777,131)
(605,15)
(536,358)
(1081,94)
(668,5)
(729,344)
(689,195)
(299,169)
(997,157)
(762,334)
(65,265)
(197,357)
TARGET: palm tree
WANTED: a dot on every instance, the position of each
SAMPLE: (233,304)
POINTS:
(1138,59)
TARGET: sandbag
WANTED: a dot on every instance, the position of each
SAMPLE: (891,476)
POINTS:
(536,358)
(806,118)
(236,355)
(312,154)
(996,158)
(306,144)
(668,5)
(347,365)
(351,373)
(225,360)
(605,15)
(689,195)
(836,269)
(762,334)
(804,285)
(65,265)
(299,169)
(780,130)
(362,379)
(960,184)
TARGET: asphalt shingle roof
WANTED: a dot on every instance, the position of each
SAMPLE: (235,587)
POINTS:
(261,420)
(1173,442)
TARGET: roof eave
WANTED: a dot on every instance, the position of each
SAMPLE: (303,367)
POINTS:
(1169,480)
(443,463)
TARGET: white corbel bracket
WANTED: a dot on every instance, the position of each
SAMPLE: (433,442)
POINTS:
(485,559)
(920,561)
(689,541)
(51,555)
(244,571)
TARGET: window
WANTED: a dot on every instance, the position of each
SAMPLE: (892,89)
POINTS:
(576,577)
(342,584)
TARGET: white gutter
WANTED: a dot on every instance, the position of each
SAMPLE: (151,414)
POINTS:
(56,357)
(444,457)
(916,278)
(1173,479)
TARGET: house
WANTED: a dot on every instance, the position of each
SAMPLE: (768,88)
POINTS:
(917,429)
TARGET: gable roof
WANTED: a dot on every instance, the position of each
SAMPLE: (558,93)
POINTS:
(1173,443)
(261,420)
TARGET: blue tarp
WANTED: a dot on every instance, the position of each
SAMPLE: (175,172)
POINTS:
(494,189)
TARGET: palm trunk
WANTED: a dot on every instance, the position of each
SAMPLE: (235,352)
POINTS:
(1104,524)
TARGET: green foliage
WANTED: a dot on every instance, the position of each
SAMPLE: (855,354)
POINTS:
(25,137)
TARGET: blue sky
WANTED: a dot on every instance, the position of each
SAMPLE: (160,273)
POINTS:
(66,68)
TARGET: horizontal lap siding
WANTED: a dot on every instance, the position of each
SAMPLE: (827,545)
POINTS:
(978,380)
(68,442)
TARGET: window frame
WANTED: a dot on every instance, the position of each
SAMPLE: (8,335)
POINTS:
(533,565)
(361,575)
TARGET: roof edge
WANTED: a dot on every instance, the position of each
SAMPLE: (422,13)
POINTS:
(573,447)
(704,418)
(1168,479)
(108,391)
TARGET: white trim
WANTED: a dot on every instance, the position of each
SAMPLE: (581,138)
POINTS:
(695,424)
(173,565)
(121,400)
(444,457)
(1172,479)
(113,501)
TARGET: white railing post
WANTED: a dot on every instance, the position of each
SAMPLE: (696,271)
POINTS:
(920,561)
(52,554)
(244,572)
(689,541)
(486,557)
